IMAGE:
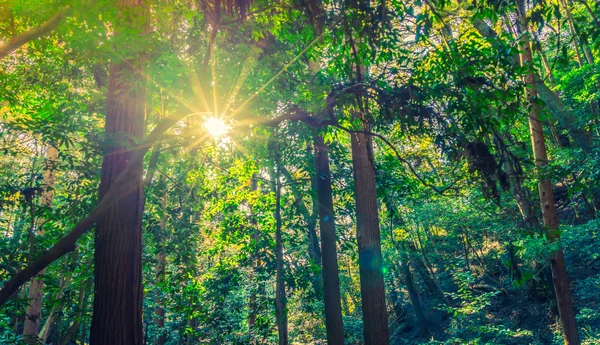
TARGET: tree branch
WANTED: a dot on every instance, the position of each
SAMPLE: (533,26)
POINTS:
(67,244)
(32,34)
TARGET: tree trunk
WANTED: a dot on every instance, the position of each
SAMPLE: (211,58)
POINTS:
(559,272)
(309,218)
(252,305)
(56,311)
(574,35)
(331,281)
(280,297)
(369,243)
(73,329)
(31,326)
(161,261)
(117,310)
(159,313)
(414,298)
(561,113)
(396,297)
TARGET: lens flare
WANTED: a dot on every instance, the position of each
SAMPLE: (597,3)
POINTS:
(216,127)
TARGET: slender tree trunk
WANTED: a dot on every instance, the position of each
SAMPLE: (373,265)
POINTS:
(31,326)
(414,298)
(117,316)
(331,281)
(73,329)
(255,238)
(280,297)
(555,105)
(309,218)
(369,242)
(396,296)
(161,260)
(559,272)
(64,283)
(563,3)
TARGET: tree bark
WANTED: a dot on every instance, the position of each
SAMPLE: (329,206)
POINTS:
(559,272)
(280,297)
(117,316)
(252,305)
(31,326)
(161,260)
(331,282)
(369,242)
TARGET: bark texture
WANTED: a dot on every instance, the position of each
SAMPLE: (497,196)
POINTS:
(117,317)
(331,282)
(369,243)
(559,272)
(280,296)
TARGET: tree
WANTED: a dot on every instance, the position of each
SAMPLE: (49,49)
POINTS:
(118,240)
(331,283)
(547,202)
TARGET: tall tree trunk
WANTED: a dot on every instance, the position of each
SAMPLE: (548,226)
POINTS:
(559,272)
(161,261)
(117,310)
(31,326)
(331,281)
(369,242)
(252,305)
(561,113)
(280,297)
(574,35)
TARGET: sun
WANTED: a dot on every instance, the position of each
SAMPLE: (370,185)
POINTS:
(216,127)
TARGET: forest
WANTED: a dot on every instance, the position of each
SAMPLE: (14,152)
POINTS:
(303,172)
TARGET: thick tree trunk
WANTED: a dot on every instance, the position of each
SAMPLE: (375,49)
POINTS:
(31,326)
(331,281)
(117,317)
(559,272)
(369,243)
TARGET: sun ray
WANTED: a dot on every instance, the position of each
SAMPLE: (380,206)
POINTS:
(247,66)
(214,89)
(283,69)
